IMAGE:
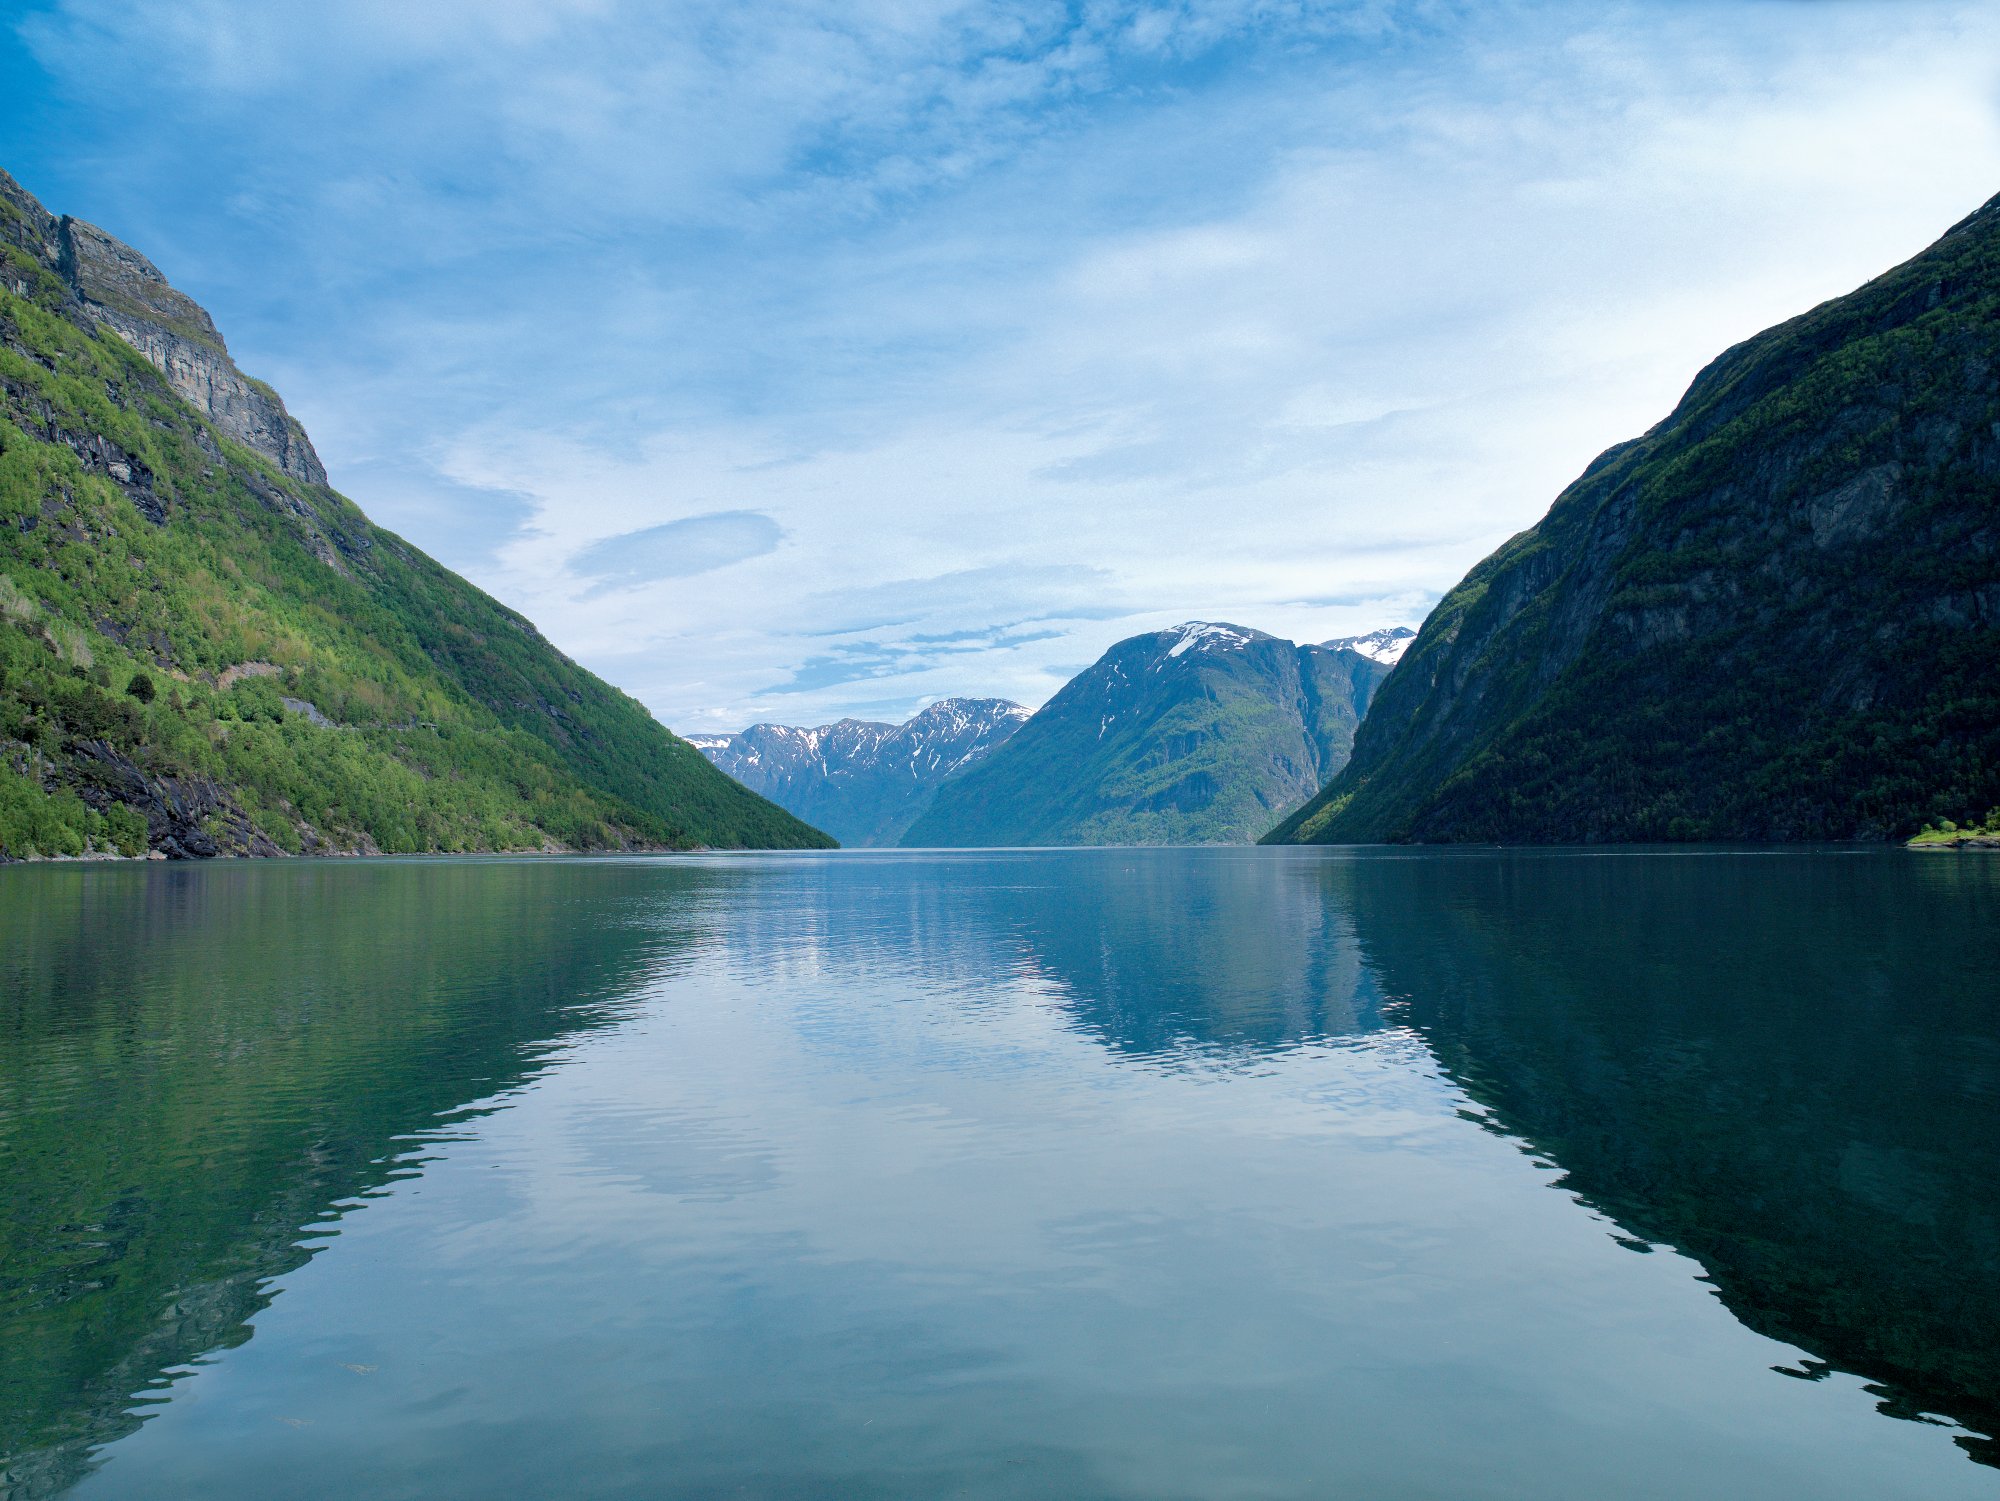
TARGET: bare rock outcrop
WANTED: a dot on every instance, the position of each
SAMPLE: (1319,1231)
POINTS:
(119,288)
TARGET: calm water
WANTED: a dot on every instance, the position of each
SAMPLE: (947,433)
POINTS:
(1138,1174)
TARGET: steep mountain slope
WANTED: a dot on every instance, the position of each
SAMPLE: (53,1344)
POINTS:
(204,649)
(862,781)
(1774,616)
(1196,735)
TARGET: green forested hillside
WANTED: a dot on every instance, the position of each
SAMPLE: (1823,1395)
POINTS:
(203,650)
(1774,616)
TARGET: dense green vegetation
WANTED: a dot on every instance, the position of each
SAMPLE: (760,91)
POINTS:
(1945,834)
(1174,737)
(200,654)
(1777,615)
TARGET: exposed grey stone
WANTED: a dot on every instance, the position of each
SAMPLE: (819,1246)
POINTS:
(126,292)
(106,282)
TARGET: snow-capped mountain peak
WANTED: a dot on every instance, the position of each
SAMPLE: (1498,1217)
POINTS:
(1204,635)
(1385,646)
(951,715)
(861,780)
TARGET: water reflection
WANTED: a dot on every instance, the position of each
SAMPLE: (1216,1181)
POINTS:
(1231,954)
(197,1063)
(1152,953)
(1098,1172)
(1785,1065)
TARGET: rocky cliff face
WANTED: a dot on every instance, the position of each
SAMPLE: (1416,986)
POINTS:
(1202,734)
(863,781)
(1774,616)
(119,288)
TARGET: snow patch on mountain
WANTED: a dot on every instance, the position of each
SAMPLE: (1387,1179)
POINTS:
(863,780)
(1204,635)
(1385,646)
(1203,733)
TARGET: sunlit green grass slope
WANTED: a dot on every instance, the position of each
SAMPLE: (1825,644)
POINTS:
(202,654)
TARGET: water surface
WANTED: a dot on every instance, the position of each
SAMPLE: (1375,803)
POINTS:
(1117,1173)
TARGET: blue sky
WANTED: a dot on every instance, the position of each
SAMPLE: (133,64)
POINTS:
(798,359)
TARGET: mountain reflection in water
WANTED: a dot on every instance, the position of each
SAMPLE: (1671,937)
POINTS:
(201,1063)
(1785,1065)
(1782,1064)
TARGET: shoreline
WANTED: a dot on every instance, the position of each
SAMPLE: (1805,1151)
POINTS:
(101,857)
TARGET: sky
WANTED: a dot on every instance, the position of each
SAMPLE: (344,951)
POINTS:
(810,358)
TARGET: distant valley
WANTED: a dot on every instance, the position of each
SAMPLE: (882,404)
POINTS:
(1776,615)
(1203,734)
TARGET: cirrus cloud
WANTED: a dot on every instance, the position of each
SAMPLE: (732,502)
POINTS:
(676,549)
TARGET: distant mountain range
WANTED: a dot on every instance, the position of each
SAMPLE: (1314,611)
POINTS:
(1774,616)
(205,650)
(862,781)
(1203,734)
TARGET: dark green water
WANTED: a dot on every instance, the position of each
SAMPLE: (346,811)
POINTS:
(1138,1174)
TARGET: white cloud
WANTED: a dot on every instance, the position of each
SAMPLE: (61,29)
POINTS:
(1088,321)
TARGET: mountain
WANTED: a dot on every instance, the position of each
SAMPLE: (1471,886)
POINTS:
(864,782)
(1385,646)
(1197,735)
(204,649)
(1774,616)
